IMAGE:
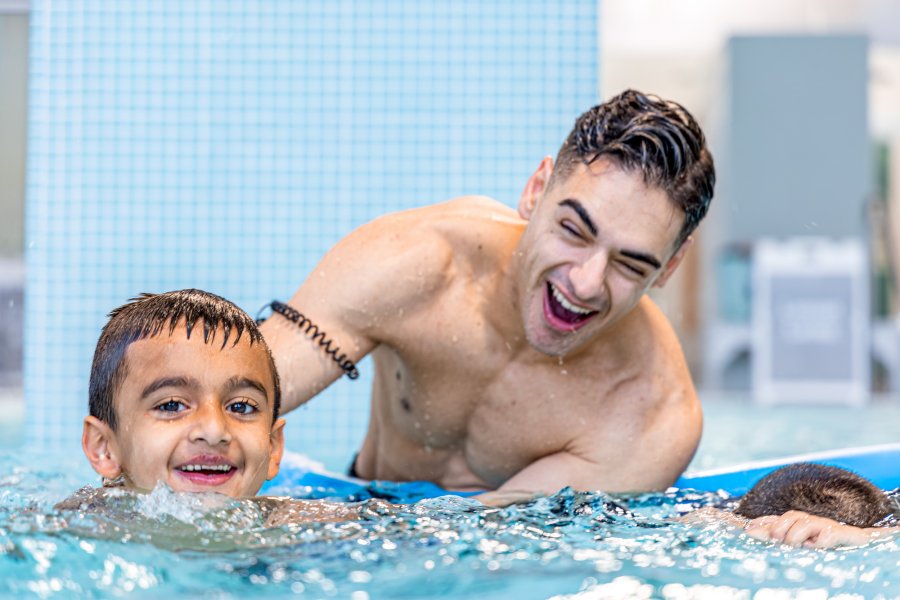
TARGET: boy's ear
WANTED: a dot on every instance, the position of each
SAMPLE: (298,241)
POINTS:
(673,262)
(276,439)
(535,188)
(98,443)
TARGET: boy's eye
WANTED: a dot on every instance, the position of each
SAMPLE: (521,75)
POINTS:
(242,407)
(172,406)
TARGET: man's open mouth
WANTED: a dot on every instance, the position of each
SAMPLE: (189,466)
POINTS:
(563,314)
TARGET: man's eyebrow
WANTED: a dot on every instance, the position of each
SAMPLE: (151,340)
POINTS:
(582,212)
(643,257)
(175,382)
(589,223)
(237,382)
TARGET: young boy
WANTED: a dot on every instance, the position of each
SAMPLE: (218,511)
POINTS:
(812,505)
(184,391)
(819,490)
(817,506)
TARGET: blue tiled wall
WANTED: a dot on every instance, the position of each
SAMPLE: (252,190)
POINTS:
(228,144)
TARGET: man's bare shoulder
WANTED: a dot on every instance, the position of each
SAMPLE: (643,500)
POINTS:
(655,339)
(460,220)
(454,223)
(396,262)
(652,371)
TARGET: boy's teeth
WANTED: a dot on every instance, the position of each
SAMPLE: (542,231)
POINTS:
(566,304)
(223,468)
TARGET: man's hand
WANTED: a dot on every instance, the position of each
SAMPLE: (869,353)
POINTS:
(797,528)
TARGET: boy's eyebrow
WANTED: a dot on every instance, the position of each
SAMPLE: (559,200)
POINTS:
(175,382)
(237,382)
(582,212)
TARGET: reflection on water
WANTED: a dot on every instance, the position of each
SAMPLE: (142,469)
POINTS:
(568,545)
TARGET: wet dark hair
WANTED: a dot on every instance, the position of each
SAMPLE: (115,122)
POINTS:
(819,490)
(658,137)
(147,316)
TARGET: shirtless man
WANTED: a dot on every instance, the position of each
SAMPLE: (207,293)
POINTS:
(518,351)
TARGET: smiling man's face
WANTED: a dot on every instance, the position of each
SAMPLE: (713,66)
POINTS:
(595,242)
(194,415)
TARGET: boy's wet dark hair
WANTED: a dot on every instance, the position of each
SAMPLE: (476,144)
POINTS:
(819,490)
(147,316)
(659,138)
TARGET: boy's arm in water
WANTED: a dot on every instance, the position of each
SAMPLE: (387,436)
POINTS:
(797,528)
(794,528)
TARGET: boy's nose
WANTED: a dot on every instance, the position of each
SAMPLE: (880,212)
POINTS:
(588,277)
(211,425)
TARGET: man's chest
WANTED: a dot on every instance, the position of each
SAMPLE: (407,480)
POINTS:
(501,414)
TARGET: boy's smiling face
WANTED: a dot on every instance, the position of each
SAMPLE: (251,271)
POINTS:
(194,415)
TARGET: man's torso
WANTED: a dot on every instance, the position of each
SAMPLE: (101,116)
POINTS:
(460,399)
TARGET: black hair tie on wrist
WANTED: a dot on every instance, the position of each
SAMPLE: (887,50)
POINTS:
(317,335)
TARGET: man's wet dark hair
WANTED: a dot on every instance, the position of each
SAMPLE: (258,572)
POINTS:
(819,490)
(149,315)
(658,137)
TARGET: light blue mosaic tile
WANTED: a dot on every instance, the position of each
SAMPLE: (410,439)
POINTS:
(228,144)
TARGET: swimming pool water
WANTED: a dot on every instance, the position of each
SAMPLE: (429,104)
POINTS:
(569,545)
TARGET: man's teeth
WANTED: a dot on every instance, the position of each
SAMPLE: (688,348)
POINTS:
(223,468)
(568,305)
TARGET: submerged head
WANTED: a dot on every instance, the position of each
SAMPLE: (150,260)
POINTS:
(612,217)
(819,490)
(184,391)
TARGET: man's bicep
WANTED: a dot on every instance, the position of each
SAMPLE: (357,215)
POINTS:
(649,459)
(310,355)
(653,458)
(315,338)
(359,290)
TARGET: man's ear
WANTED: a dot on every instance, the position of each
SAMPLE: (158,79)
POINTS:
(276,439)
(99,444)
(673,262)
(535,188)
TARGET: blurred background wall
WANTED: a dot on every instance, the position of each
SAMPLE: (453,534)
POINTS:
(799,101)
(145,129)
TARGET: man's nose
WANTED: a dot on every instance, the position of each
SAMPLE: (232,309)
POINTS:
(589,276)
(210,424)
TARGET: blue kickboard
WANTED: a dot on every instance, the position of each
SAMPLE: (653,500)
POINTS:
(880,464)
(322,484)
